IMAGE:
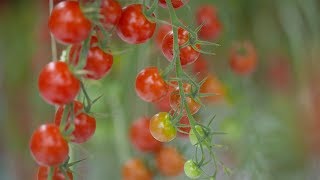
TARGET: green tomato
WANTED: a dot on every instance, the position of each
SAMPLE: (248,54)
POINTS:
(192,170)
(201,132)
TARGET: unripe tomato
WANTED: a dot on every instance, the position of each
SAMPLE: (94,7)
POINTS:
(68,24)
(57,85)
(150,86)
(43,173)
(243,58)
(169,161)
(175,3)
(175,100)
(212,26)
(133,26)
(111,12)
(188,55)
(48,147)
(134,169)
(212,86)
(192,170)
(161,127)
(141,137)
(204,137)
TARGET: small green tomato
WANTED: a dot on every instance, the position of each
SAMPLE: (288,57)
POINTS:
(192,170)
(202,136)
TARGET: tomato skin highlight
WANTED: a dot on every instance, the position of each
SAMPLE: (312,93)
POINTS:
(133,26)
(161,127)
(175,3)
(135,169)
(188,55)
(68,24)
(111,11)
(57,85)
(212,26)
(141,137)
(150,86)
(43,173)
(169,161)
(47,146)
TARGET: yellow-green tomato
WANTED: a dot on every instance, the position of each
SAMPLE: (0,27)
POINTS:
(192,170)
(204,138)
(161,127)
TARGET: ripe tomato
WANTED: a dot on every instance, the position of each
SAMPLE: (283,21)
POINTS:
(85,125)
(184,121)
(150,86)
(212,86)
(175,3)
(204,137)
(201,67)
(111,12)
(187,54)
(68,24)
(243,58)
(175,100)
(163,104)
(135,169)
(212,26)
(48,147)
(161,127)
(141,137)
(43,173)
(162,32)
(133,26)
(192,170)
(57,85)
(169,161)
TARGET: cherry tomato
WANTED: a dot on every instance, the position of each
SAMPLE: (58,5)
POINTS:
(188,55)
(212,86)
(184,121)
(133,26)
(111,12)
(212,26)
(164,103)
(169,161)
(141,137)
(162,32)
(43,173)
(57,85)
(134,169)
(201,66)
(204,137)
(84,125)
(243,58)
(161,127)
(150,86)
(192,170)
(175,100)
(68,24)
(175,3)
(48,147)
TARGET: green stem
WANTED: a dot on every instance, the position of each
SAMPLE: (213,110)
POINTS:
(53,42)
(50,174)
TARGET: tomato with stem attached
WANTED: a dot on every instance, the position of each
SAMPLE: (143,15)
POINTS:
(135,169)
(188,54)
(202,138)
(111,11)
(175,3)
(141,137)
(57,85)
(192,170)
(150,86)
(134,27)
(212,26)
(169,161)
(48,147)
(161,127)
(43,173)
(68,24)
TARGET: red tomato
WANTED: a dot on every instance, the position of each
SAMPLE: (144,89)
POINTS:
(212,26)
(187,54)
(163,104)
(134,169)
(161,127)
(150,86)
(175,3)
(201,66)
(141,137)
(212,86)
(184,121)
(133,26)
(48,147)
(243,58)
(169,161)
(175,100)
(57,85)
(162,32)
(111,12)
(68,24)
(57,174)
(85,125)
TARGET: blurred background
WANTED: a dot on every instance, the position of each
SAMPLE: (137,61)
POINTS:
(272,117)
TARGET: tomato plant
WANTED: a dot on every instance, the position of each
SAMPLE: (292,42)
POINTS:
(57,174)
(169,161)
(135,169)
(161,127)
